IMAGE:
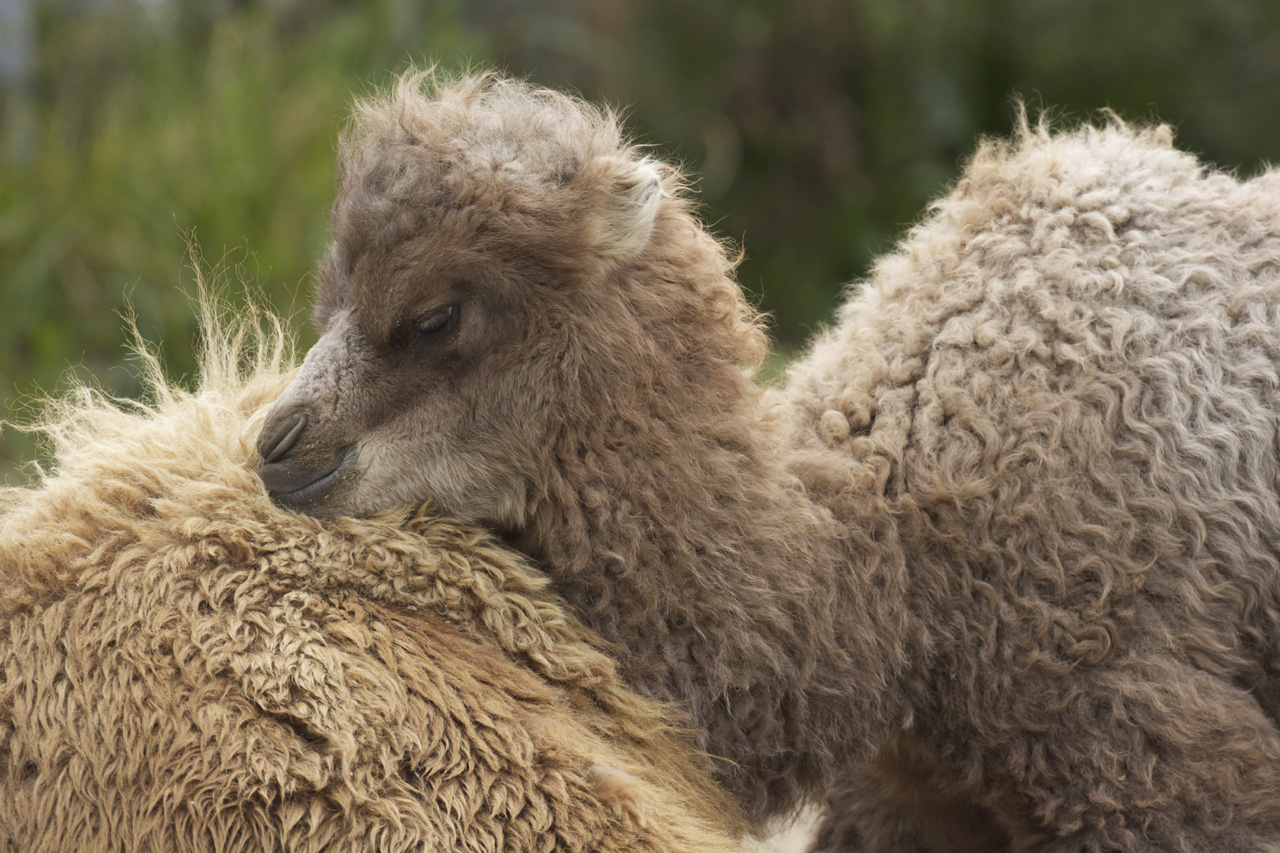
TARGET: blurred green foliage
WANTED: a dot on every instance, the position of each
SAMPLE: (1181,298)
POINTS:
(817,131)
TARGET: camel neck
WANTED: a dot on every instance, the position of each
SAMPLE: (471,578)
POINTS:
(689,544)
(723,588)
(688,540)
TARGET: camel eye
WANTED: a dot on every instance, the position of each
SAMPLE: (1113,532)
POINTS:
(437,322)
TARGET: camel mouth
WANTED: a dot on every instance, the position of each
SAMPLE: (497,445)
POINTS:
(309,489)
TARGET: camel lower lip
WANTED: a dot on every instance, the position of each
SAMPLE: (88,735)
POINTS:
(315,492)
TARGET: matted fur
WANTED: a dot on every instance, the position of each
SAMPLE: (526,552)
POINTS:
(185,667)
(998,568)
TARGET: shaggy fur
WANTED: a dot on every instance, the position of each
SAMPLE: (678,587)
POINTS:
(999,567)
(186,667)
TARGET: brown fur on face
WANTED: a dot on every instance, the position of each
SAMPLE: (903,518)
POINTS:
(528,200)
(1003,550)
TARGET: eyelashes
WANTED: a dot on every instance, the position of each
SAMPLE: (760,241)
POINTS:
(436,325)
(434,328)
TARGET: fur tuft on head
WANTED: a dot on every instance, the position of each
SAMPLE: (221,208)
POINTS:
(634,194)
(499,144)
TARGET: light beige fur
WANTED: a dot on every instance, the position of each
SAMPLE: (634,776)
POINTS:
(185,667)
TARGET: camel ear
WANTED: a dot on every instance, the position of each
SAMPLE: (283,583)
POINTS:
(632,194)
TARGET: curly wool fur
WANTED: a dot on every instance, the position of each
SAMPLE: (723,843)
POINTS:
(997,568)
(185,667)
(1064,388)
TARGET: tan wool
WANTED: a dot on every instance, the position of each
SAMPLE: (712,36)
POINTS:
(185,667)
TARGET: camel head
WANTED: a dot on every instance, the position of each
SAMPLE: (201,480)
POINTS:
(496,282)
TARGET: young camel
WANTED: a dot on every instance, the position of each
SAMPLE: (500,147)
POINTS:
(997,569)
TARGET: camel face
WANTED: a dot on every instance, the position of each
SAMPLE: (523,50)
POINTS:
(419,386)
(471,298)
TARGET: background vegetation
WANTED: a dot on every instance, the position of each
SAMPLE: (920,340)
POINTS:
(819,130)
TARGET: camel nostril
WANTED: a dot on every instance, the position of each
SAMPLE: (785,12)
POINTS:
(278,439)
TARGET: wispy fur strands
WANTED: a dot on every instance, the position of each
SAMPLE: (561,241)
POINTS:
(186,667)
(997,569)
